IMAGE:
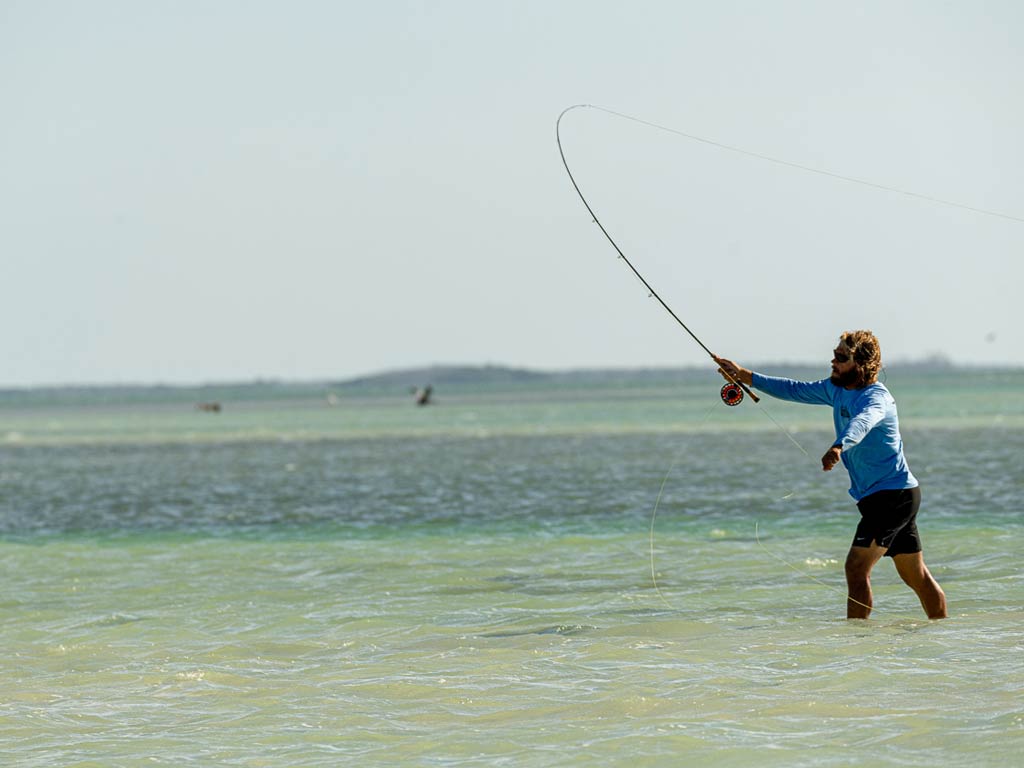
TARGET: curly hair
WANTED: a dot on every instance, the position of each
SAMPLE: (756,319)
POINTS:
(866,352)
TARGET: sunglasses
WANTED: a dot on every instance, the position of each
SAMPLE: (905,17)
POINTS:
(841,357)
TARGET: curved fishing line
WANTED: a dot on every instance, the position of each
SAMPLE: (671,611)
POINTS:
(816,580)
(654,514)
(805,168)
(651,292)
(757,538)
(786,432)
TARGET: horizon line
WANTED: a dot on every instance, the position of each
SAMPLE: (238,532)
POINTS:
(937,361)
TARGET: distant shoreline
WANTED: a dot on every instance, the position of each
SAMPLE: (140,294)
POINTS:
(460,376)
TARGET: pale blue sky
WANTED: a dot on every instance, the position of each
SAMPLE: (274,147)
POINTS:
(204,191)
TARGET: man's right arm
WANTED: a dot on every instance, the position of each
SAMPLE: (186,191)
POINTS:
(812,392)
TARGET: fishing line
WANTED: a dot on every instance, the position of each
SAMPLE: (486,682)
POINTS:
(801,167)
(651,292)
(654,514)
(757,538)
(729,395)
(786,563)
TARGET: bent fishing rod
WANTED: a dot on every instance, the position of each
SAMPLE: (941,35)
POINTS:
(730,394)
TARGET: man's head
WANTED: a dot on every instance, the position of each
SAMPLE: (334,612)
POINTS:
(857,360)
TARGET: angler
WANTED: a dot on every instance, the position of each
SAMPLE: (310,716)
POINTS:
(869,444)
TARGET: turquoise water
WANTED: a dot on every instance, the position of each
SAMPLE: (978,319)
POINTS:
(289,584)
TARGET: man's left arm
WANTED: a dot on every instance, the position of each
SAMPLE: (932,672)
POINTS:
(870,412)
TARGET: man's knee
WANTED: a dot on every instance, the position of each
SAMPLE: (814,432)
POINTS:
(911,569)
(853,566)
(860,560)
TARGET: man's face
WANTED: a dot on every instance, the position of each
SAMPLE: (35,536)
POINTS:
(844,370)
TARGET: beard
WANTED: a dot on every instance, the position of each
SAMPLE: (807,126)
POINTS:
(850,378)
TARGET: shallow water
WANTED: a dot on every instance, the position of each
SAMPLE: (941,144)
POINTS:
(472,585)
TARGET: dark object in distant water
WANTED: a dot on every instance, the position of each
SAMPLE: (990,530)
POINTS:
(423,395)
(208,407)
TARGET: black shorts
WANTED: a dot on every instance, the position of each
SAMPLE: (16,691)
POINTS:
(889,519)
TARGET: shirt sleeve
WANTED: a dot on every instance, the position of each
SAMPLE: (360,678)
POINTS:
(813,392)
(870,412)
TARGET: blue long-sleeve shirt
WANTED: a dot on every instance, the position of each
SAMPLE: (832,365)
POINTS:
(867,428)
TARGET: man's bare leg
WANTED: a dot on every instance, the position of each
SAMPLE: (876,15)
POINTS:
(859,563)
(915,573)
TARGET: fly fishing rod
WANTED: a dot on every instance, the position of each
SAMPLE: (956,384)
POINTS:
(732,393)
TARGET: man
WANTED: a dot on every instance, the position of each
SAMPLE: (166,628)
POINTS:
(868,443)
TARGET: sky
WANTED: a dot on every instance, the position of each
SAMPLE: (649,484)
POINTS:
(224,191)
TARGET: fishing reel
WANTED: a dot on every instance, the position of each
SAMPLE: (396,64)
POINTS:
(732,393)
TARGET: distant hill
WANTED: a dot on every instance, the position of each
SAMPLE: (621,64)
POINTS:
(444,378)
(465,377)
(494,378)
(491,376)
(442,375)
